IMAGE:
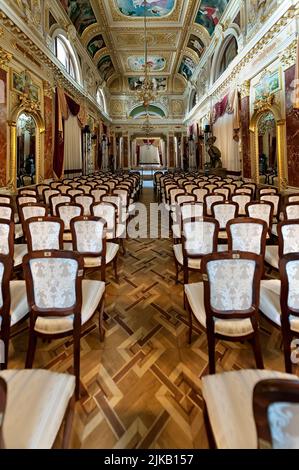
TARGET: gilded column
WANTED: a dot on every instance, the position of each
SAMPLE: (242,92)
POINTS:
(245,133)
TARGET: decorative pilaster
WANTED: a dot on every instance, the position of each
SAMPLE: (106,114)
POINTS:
(245,121)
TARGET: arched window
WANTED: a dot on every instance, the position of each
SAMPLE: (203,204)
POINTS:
(230,51)
(193,99)
(67,57)
(101,99)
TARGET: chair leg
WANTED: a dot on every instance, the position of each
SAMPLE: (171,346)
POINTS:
(190,322)
(287,352)
(176,271)
(123,246)
(77,363)
(211,350)
(31,350)
(256,346)
(5,338)
(68,423)
(115,269)
(101,327)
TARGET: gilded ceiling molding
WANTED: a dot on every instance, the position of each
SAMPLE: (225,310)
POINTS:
(288,56)
(5,58)
(257,49)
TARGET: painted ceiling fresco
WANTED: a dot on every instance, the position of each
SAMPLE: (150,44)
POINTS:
(105,67)
(156,63)
(187,67)
(80,13)
(210,12)
(154,8)
(135,83)
(196,45)
(95,44)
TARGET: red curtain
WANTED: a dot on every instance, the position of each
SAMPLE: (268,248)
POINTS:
(220,108)
(72,105)
(58,156)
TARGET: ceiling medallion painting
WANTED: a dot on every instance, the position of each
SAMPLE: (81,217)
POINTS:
(135,83)
(155,63)
(196,45)
(80,13)
(105,67)
(210,12)
(187,67)
(154,8)
(95,44)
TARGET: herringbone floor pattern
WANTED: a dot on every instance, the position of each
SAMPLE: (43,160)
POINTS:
(141,387)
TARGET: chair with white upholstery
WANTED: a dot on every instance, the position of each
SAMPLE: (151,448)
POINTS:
(44,233)
(86,200)
(186,210)
(13,299)
(291,211)
(108,212)
(55,184)
(40,188)
(60,300)
(290,198)
(226,303)
(232,187)
(89,239)
(56,199)
(276,201)
(288,242)
(267,191)
(223,212)
(34,404)
(210,187)
(244,190)
(74,192)
(232,412)
(7,213)
(200,193)
(241,199)
(247,234)
(47,193)
(279,302)
(98,193)
(86,188)
(261,210)
(66,212)
(63,188)
(210,199)
(27,192)
(199,237)
(6,199)
(252,186)
(225,191)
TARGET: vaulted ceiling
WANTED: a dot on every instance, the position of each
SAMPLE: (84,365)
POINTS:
(113,33)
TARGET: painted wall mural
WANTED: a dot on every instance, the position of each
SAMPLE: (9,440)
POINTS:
(154,8)
(105,67)
(80,12)
(196,45)
(155,62)
(210,12)
(187,67)
(135,83)
(95,44)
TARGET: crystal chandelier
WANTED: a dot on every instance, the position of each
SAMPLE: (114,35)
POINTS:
(147,127)
(147,91)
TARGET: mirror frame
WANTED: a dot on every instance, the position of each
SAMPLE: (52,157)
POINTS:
(282,169)
(39,144)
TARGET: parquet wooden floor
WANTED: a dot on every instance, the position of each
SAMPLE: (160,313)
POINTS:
(141,387)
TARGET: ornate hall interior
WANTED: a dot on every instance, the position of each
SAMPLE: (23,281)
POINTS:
(149,224)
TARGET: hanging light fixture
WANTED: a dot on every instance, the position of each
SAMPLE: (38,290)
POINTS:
(147,91)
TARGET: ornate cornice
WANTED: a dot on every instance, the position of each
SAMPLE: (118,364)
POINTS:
(288,56)
(245,89)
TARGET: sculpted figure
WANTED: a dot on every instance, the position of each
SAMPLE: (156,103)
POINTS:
(214,153)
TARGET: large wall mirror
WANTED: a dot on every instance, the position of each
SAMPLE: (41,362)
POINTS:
(267,149)
(268,145)
(26,150)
